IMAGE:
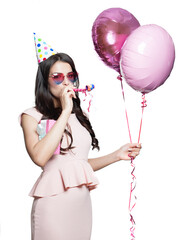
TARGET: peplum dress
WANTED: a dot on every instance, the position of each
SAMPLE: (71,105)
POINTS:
(62,208)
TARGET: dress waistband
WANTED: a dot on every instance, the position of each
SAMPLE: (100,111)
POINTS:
(59,161)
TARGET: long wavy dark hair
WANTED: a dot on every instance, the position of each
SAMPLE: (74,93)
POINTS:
(44,99)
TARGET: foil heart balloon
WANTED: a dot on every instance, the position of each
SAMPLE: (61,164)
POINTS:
(109,32)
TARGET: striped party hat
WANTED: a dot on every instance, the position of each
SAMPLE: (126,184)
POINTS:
(43,50)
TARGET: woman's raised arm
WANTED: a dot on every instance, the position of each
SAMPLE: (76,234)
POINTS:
(42,150)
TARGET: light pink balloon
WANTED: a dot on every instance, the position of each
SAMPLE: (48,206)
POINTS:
(147,58)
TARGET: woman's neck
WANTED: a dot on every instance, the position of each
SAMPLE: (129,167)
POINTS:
(56,103)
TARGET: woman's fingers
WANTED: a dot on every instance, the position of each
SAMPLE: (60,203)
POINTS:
(71,92)
(68,90)
(135,145)
(134,150)
(133,154)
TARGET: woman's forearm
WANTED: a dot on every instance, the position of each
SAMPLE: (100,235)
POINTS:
(101,162)
(44,149)
(126,152)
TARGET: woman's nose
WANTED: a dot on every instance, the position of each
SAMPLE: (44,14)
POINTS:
(66,81)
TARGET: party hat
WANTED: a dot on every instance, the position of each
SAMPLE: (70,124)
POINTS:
(43,50)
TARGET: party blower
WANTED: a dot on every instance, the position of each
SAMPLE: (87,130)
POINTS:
(84,90)
(142,55)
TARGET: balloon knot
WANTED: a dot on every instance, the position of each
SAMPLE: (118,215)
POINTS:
(119,78)
(144,102)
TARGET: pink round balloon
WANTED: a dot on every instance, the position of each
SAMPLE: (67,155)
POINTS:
(147,58)
(109,32)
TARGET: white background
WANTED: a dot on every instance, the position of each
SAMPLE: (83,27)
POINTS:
(66,25)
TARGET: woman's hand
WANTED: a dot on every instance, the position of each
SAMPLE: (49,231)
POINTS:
(128,151)
(66,96)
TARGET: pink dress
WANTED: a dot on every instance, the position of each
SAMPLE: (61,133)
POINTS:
(62,207)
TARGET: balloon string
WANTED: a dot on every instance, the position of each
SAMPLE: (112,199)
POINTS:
(133,182)
(144,104)
(120,78)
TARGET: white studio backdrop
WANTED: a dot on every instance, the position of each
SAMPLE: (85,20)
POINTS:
(66,26)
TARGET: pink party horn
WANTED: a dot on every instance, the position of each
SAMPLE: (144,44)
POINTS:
(87,88)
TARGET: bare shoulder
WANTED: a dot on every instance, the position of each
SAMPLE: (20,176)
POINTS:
(28,122)
(29,125)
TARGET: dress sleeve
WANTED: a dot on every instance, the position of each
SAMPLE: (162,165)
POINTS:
(31,112)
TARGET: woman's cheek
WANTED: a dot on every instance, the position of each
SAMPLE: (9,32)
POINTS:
(55,90)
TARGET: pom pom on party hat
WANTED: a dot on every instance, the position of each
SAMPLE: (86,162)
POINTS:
(43,50)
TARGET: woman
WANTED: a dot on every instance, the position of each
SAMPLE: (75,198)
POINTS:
(58,137)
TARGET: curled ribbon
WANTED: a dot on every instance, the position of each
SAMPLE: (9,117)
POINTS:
(133,182)
(144,104)
(87,88)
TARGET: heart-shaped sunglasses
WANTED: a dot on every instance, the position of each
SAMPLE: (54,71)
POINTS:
(58,78)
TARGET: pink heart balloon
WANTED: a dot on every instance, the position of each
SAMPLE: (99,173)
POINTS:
(109,32)
(147,58)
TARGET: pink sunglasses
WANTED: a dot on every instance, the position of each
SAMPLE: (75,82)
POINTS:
(58,78)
